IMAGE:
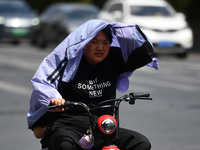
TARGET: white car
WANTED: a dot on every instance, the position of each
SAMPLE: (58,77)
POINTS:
(167,29)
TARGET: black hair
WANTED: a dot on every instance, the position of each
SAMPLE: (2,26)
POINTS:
(108,32)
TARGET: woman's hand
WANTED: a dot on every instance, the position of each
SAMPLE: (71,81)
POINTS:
(57,101)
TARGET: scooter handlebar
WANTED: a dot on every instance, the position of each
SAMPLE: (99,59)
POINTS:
(130,98)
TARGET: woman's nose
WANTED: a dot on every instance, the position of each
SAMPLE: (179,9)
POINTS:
(100,47)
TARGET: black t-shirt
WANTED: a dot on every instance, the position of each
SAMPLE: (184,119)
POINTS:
(91,84)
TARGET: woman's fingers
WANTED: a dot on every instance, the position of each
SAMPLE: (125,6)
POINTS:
(57,101)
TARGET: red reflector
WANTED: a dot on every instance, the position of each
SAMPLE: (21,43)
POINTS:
(110,148)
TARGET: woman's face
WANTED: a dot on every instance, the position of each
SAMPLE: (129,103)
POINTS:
(97,49)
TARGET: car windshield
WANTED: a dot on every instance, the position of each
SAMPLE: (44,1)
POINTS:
(14,8)
(81,14)
(150,11)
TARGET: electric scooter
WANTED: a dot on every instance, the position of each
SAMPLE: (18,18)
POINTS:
(106,126)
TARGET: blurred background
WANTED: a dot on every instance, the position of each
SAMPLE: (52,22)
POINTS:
(190,8)
(30,30)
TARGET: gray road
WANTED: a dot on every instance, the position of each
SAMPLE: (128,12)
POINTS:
(171,121)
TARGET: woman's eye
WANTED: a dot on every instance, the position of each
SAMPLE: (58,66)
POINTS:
(106,43)
(93,42)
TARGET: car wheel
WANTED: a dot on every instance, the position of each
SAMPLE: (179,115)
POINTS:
(182,55)
(61,36)
(15,42)
(41,41)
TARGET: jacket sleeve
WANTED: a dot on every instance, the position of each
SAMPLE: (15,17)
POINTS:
(137,51)
(44,83)
(140,57)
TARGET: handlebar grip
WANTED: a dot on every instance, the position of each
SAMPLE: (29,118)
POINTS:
(140,94)
(66,105)
(54,106)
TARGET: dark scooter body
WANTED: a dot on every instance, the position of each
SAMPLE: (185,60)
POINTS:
(106,126)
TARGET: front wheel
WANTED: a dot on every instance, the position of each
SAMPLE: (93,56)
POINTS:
(41,41)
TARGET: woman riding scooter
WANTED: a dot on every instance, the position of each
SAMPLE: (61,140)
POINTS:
(89,65)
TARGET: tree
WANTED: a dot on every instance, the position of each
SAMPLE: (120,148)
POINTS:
(191,9)
(42,4)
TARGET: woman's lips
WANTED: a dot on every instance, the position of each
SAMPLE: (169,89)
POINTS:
(99,54)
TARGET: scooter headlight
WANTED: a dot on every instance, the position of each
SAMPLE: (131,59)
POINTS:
(107,124)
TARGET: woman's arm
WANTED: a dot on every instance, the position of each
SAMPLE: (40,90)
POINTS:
(140,57)
(39,131)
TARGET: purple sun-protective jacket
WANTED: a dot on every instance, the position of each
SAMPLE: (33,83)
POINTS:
(127,37)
